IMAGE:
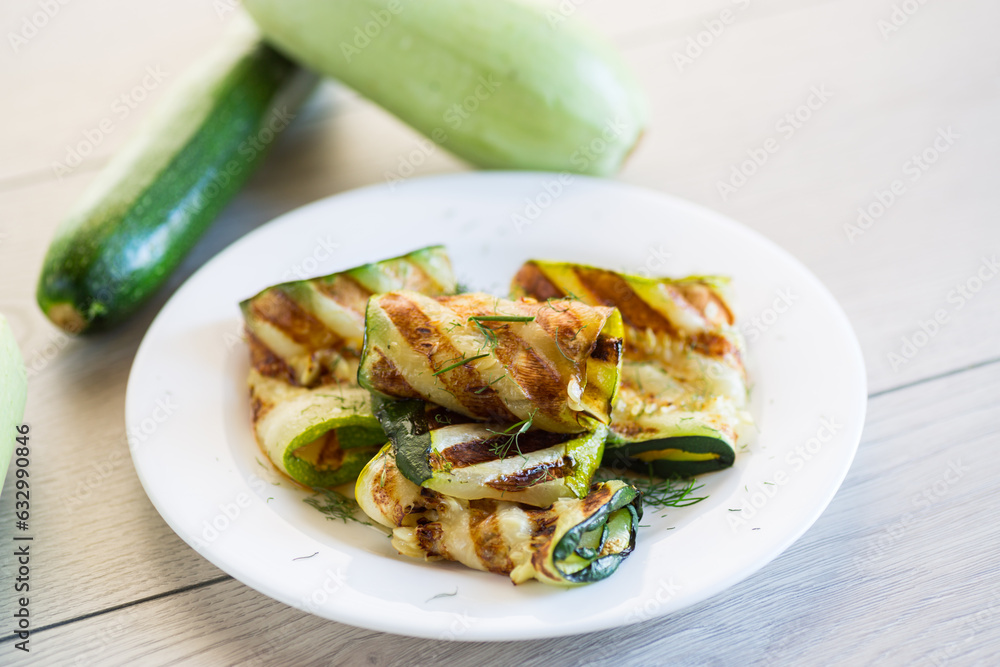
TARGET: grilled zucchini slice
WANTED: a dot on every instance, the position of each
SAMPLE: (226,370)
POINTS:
(573,541)
(682,402)
(494,359)
(473,460)
(310,417)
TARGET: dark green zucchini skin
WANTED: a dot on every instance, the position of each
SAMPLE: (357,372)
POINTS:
(130,232)
(621,457)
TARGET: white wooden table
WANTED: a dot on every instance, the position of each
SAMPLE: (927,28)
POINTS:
(902,568)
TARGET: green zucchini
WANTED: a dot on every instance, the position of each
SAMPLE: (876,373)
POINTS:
(319,437)
(475,460)
(494,82)
(682,403)
(159,194)
(13,394)
(494,359)
(311,418)
(312,330)
(571,542)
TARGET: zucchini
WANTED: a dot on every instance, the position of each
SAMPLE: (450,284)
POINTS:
(494,359)
(682,402)
(573,541)
(319,437)
(475,460)
(13,394)
(311,331)
(310,416)
(494,82)
(159,194)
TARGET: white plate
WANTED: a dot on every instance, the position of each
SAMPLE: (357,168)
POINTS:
(193,449)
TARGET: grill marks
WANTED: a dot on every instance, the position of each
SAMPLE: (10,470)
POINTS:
(610,289)
(267,362)
(347,293)
(546,471)
(386,376)
(540,380)
(464,382)
(484,529)
(607,349)
(704,299)
(535,283)
(473,452)
(285,314)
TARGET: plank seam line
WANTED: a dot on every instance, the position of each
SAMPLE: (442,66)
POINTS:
(935,378)
(123,605)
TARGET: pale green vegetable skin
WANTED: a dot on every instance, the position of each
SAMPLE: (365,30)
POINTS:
(13,394)
(552,95)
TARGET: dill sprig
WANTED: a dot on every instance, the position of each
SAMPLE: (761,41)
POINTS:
(502,318)
(335,506)
(502,449)
(660,492)
(490,384)
(460,362)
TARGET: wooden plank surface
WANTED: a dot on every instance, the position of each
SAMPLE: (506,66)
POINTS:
(889,97)
(895,572)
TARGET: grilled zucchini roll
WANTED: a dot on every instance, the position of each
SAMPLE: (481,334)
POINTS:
(573,541)
(309,415)
(441,451)
(310,331)
(683,393)
(494,359)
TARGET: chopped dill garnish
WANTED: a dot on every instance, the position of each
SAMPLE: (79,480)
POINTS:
(669,492)
(502,318)
(502,449)
(453,326)
(489,334)
(656,492)
(548,304)
(335,506)
(559,347)
(443,595)
(460,362)
(442,418)
(490,384)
